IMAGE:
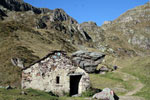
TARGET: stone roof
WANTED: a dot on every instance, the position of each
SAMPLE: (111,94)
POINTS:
(48,55)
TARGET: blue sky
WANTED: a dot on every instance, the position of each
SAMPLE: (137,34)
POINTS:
(90,10)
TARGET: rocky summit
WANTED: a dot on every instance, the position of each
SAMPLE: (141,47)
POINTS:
(28,33)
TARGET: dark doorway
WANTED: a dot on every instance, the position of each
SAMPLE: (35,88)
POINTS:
(74,84)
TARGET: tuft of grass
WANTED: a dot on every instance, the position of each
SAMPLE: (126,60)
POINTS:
(88,93)
(15,94)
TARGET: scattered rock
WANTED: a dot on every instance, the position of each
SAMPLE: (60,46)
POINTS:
(87,60)
(8,87)
(77,95)
(23,93)
(104,69)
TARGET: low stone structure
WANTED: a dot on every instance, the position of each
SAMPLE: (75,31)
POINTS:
(56,73)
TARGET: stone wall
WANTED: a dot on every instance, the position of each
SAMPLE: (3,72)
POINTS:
(42,75)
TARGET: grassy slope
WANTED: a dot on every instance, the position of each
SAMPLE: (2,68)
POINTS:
(20,40)
(132,71)
(114,81)
(139,67)
(10,47)
(31,95)
(15,94)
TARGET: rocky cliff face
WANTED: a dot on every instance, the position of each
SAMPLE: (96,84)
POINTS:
(18,5)
(134,27)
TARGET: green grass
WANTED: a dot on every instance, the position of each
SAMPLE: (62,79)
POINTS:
(139,67)
(113,81)
(15,94)
(130,70)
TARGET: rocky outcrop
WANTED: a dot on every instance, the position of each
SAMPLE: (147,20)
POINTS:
(60,15)
(84,33)
(18,5)
(134,26)
(17,62)
(87,60)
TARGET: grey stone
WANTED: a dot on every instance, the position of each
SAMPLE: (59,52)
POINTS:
(77,95)
(104,69)
(23,93)
(106,94)
(87,60)
(8,87)
(17,62)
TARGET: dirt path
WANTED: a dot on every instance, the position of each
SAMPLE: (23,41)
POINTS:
(130,98)
(137,85)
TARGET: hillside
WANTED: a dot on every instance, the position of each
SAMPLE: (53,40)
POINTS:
(127,35)
(29,33)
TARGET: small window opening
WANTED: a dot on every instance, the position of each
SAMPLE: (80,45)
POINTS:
(57,79)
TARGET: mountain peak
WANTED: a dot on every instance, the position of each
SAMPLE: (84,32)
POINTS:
(60,15)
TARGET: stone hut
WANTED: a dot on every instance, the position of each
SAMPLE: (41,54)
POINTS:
(56,73)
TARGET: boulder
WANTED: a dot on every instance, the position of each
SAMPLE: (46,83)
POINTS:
(23,93)
(106,94)
(103,70)
(8,87)
(87,60)
(17,62)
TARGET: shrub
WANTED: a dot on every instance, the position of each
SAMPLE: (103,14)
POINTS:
(88,93)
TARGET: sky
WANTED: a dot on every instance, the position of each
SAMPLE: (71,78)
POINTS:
(90,10)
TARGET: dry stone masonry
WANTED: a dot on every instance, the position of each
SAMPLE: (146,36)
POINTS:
(56,73)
